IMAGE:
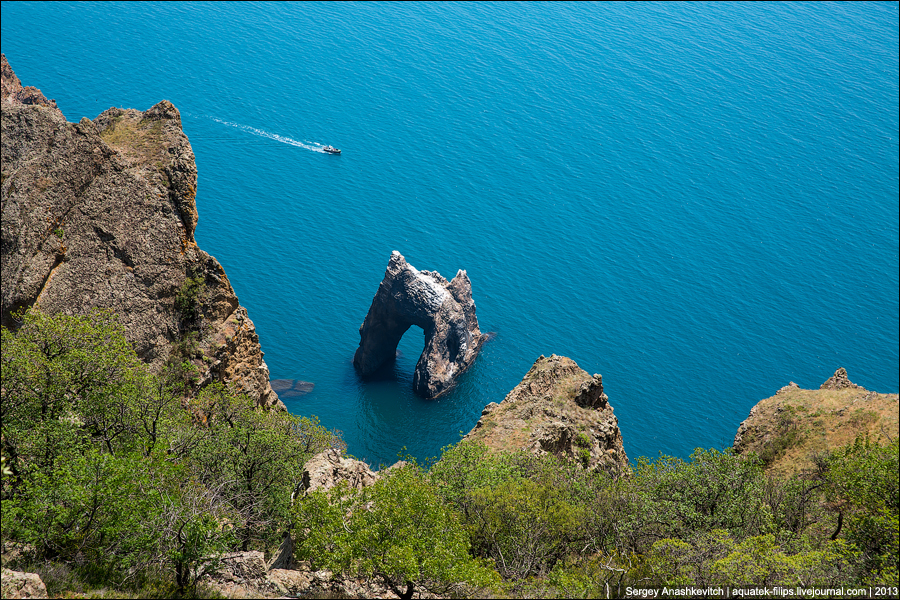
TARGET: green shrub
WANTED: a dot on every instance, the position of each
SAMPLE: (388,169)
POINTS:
(189,299)
(861,482)
(397,530)
(673,498)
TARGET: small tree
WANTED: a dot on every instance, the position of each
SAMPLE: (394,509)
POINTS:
(861,482)
(398,530)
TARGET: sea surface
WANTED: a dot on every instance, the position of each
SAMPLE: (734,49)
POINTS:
(698,201)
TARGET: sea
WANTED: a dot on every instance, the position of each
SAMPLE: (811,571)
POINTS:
(697,201)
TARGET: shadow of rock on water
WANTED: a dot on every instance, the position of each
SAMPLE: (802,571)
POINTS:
(291,388)
(393,369)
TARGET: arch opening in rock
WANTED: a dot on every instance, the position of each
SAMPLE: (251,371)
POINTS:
(443,309)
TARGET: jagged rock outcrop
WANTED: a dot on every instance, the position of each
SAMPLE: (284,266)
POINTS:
(443,309)
(789,428)
(330,467)
(11,89)
(840,381)
(102,214)
(559,409)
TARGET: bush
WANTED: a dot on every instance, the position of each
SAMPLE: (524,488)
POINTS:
(107,475)
(672,498)
(397,530)
(861,482)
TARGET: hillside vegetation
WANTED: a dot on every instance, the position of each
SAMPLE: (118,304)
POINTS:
(119,484)
(117,478)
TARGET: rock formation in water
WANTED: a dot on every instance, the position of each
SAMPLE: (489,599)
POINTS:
(444,310)
(558,409)
(790,428)
(101,214)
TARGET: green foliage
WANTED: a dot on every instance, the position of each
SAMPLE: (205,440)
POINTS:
(257,456)
(114,476)
(862,482)
(397,530)
(524,526)
(787,435)
(716,559)
(522,511)
(189,299)
(713,490)
(68,383)
(110,475)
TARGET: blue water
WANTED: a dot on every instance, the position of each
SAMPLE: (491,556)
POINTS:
(697,201)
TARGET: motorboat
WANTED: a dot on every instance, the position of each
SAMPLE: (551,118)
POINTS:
(331,150)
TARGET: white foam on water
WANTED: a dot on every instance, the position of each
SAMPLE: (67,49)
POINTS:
(272,136)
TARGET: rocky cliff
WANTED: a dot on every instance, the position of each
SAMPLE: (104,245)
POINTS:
(789,428)
(102,214)
(559,409)
(443,309)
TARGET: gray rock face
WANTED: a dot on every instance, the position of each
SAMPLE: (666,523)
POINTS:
(444,310)
(102,214)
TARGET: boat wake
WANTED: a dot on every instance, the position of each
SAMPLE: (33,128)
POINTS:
(273,136)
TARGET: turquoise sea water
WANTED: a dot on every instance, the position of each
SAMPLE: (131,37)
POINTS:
(697,201)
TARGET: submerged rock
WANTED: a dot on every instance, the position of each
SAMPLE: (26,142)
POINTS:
(443,309)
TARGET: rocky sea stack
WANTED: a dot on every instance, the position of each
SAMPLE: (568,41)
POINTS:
(101,214)
(443,309)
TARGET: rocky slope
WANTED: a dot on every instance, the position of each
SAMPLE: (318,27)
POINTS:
(789,428)
(557,408)
(443,309)
(101,214)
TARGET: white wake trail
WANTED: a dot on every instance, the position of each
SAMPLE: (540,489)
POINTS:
(272,136)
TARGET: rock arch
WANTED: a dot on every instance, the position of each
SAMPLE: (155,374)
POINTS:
(444,310)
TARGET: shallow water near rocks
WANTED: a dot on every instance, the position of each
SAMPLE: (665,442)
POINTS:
(698,202)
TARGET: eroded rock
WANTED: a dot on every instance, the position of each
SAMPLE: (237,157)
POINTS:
(558,409)
(444,310)
(17,584)
(329,467)
(102,214)
(840,381)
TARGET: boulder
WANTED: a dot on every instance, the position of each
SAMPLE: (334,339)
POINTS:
(241,566)
(17,584)
(328,468)
(443,309)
